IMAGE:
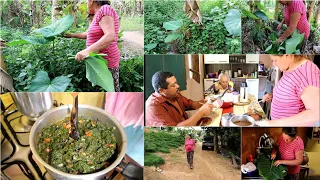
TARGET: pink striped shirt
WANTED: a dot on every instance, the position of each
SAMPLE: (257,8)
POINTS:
(286,99)
(303,25)
(189,145)
(95,32)
(288,152)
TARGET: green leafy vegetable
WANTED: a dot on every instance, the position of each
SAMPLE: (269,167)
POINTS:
(57,27)
(42,83)
(233,22)
(261,15)
(172,25)
(97,72)
(172,37)
(150,46)
(293,42)
(268,171)
(249,14)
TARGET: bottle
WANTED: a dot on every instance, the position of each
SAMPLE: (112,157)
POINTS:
(244,92)
(251,158)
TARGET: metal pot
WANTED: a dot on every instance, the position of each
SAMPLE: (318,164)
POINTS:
(95,113)
(241,118)
(33,104)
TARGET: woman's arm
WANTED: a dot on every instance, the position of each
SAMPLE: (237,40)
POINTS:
(294,19)
(310,97)
(82,35)
(107,25)
(297,161)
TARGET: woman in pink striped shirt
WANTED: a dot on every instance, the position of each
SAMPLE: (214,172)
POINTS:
(295,17)
(102,36)
(295,99)
(290,147)
(189,146)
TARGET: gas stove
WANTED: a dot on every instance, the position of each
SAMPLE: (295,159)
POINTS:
(17,160)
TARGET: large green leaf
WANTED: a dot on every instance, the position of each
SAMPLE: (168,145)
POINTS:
(249,14)
(172,25)
(172,37)
(261,15)
(293,42)
(233,22)
(97,72)
(268,171)
(57,27)
(260,6)
(29,40)
(273,36)
(42,83)
(151,46)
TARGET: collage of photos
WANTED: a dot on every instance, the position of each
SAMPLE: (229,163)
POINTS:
(160,89)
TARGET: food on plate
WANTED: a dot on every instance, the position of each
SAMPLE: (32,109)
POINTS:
(204,121)
(90,153)
(242,123)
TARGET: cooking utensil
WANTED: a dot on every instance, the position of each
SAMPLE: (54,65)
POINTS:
(241,118)
(33,104)
(73,131)
(225,119)
(57,114)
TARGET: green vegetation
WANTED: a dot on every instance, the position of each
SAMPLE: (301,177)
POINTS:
(268,170)
(159,142)
(169,30)
(129,23)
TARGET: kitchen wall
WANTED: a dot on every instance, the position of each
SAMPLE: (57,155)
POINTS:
(88,98)
(194,89)
(313,151)
(245,68)
(251,136)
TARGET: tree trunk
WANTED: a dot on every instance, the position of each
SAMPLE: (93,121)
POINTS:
(317,15)
(53,10)
(310,10)
(215,140)
(276,11)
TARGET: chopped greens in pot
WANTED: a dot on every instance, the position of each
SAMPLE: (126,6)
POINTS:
(88,154)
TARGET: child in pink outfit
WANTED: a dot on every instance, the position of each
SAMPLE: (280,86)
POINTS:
(189,147)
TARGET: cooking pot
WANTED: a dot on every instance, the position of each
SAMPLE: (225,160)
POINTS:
(33,104)
(241,118)
(58,114)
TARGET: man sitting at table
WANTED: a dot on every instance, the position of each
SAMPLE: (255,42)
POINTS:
(223,84)
(167,107)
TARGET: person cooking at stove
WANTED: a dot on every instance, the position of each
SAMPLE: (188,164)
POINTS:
(295,98)
(167,107)
(295,17)
(223,84)
(290,148)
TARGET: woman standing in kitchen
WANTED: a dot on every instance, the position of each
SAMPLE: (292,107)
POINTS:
(102,36)
(290,147)
(295,17)
(295,98)
(189,147)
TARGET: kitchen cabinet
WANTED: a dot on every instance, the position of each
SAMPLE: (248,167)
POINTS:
(252,58)
(208,83)
(253,87)
(216,59)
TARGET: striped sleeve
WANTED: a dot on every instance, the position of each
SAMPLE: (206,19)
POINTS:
(297,6)
(105,10)
(310,76)
(300,145)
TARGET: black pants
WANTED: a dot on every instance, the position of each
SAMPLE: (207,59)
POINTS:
(190,157)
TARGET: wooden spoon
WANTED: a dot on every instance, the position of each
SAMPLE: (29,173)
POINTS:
(73,131)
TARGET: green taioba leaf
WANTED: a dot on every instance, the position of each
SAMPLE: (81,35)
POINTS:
(268,171)
(57,27)
(97,72)
(172,25)
(42,83)
(249,14)
(261,15)
(151,46)
(233,22)
(260,6)
(293,42)
(172,37)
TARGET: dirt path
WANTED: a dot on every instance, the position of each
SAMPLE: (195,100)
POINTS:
(207,165)
(132,43)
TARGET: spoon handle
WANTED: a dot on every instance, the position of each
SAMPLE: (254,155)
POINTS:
(73,131)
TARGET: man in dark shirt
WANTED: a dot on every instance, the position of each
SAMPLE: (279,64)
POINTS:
(166,107)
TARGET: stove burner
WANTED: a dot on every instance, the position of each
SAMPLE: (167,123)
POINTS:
(11,170)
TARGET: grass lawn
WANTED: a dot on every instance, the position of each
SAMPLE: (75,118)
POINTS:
(128,23)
